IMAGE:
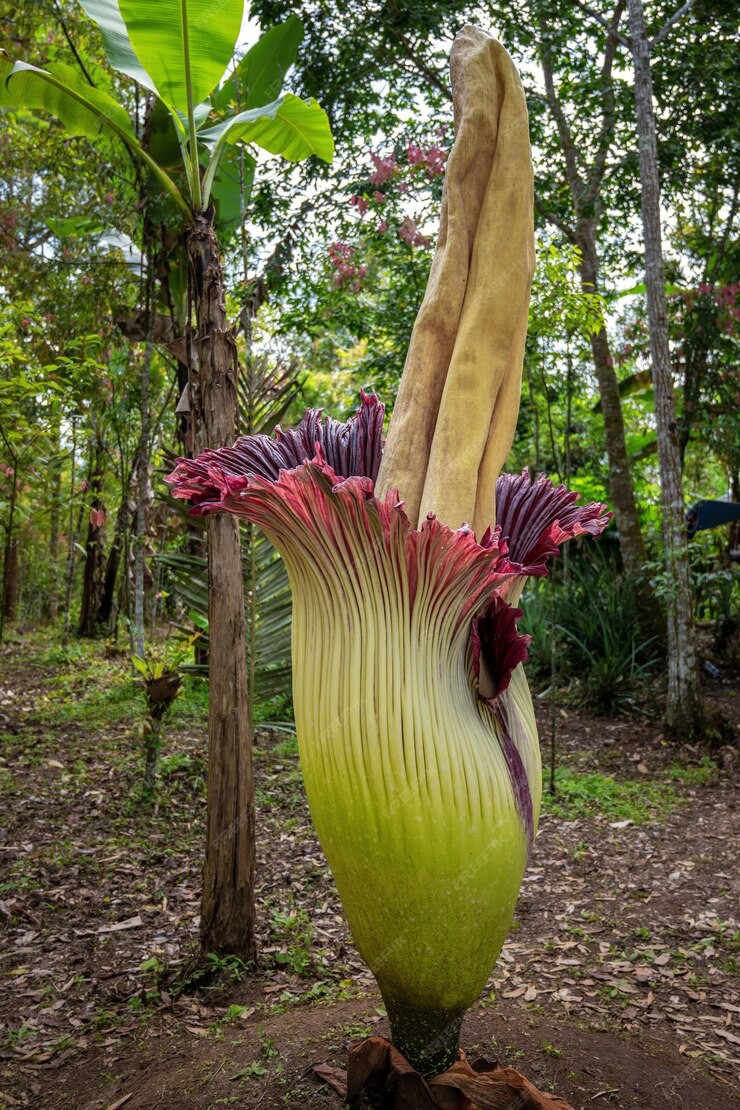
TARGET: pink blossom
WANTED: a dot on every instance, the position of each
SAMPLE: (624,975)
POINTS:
(345,271)
(385,168)
(9,472)
(435,161)
(340,257)
(359,203)
(83,485)
(379,197)
(415,154)
(340,253)
(382,227)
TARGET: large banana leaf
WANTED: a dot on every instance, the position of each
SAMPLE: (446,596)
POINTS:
(259,76)
(232,187)
(117,44)
(184,45)
(289,126)
(82,109)
(61,91)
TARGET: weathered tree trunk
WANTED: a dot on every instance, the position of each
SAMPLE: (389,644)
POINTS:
(52,604)
(142,503)
(684,705)
(71,537)
(9,599)
(10,592)
(621,489)
(227,908)
(585,185)
(92,584)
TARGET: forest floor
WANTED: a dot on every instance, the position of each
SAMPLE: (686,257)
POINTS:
(618,985)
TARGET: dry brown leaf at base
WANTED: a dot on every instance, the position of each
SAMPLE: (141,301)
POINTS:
(376,1066)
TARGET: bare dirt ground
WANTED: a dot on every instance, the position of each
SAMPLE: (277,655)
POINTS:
(618,985)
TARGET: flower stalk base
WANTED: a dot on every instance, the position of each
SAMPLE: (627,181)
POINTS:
(428,1038)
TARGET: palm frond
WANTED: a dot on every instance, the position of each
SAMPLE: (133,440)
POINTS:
(265,392)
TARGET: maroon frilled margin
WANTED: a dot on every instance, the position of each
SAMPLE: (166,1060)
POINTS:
(380,1070)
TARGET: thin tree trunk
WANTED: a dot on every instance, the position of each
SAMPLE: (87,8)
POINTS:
(92,586)
(585,185)
(535,415)
(70,540)
(142,499)
(568,413)
(227,907)
(246,424)
(54,525)
(10,600)
(10,561)
(107,614)
(684,705)
(621,488)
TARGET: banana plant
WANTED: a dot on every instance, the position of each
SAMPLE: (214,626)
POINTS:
(179,52)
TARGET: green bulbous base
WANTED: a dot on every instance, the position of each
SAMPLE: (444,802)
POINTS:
(428,1038)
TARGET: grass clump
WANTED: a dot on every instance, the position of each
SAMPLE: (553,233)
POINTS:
(589,794)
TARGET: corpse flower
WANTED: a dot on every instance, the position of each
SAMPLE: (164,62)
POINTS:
(415,726)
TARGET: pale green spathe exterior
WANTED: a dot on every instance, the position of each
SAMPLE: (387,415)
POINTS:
(406,780)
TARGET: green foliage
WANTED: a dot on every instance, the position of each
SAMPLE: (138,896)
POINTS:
(588,794)
(258,77)
(716,591)
(693,775)
(559,308)
(184,45)
(226,967)
(597,618)
(293,933)
(187,576)
(184,52)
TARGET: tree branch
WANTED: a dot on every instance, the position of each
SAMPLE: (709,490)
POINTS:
(556,221)
(72,46)
(682,11)
(566,136)
(596,173)
(604,23)
(421,65)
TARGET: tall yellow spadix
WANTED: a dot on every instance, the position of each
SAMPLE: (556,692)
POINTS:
(457,406)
